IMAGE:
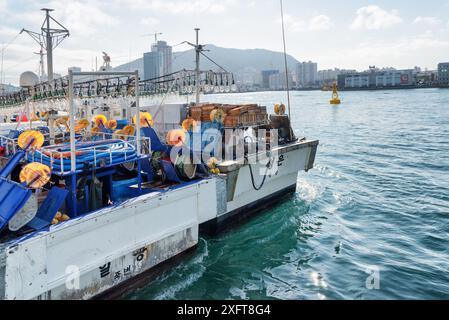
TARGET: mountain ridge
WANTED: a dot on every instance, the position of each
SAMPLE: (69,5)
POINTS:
(233,60)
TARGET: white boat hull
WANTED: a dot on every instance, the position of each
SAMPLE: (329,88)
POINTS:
(91,255)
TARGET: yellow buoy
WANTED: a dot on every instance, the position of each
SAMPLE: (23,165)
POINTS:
(33,138)
(279,109)
(145,119)
(36,175)
(335,98)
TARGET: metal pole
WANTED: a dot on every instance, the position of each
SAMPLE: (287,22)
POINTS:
(138,143)
(49,48)
(285,58)
(1,73)
(197,69)
(72,123)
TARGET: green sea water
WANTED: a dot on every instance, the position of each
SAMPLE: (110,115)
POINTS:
(370,221)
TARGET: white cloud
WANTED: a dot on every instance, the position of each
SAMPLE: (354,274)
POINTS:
(433,21)
(375,18)
(181,6)
(404,52)
(316,23)
(149,21)
(83,17)
(321,22)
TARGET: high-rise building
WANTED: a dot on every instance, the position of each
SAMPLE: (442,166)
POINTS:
(266,77)
(306,74)
(443,73)
(158,62)
(278,81)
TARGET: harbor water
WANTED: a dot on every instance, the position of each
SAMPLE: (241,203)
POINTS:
(371,221)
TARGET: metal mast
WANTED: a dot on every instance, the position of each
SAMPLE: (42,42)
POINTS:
(52,37)
(199,49)
(49,38)
(285,59)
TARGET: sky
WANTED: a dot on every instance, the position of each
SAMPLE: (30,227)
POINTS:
(349,34)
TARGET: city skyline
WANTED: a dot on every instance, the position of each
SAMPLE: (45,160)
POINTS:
(352,35)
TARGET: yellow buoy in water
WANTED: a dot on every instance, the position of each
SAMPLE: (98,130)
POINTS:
(335,98)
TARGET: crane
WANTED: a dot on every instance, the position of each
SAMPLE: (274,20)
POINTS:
(155,34)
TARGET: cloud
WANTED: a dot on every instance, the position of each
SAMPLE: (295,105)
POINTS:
(177,7)
(149,21)
(375,18)
(404,52)
(433,21)
(317,23)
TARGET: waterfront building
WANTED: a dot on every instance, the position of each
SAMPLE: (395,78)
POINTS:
(443,73)
(266,77)
(331,75)
(159,61)
(377,78)
(306,74)
(278,81)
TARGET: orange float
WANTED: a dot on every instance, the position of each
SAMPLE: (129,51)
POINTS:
(176,137)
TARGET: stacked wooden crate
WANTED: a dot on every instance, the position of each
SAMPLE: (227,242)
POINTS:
(236,115)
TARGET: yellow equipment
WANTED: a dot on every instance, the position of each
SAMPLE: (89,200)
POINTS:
(217,115)
(145,119)
(335,98)
(95,131)
(176,137)
(279,109)
(189,124)
(81,125)
(100,120)
(119,134)
(112,124)
(129,130)
(28,136)
(36,175)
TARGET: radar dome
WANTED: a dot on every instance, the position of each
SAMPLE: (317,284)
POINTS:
(28,79)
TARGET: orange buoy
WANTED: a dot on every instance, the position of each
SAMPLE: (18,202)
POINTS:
(112,124)
(189,124)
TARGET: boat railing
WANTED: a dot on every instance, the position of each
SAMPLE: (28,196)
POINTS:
(109,147)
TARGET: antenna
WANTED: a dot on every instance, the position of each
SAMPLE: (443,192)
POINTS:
(49,38)
(199,48)
(286,64)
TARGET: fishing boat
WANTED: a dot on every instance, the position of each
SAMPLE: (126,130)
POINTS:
(127,186)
